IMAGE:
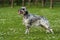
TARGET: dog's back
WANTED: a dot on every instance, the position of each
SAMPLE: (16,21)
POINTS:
(35,20)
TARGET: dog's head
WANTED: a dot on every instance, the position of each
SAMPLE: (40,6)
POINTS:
(22,10)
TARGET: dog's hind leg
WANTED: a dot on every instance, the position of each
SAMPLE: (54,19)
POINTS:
(45,24)
(48,29)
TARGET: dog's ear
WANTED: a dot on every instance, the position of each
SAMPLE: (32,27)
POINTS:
(26,12)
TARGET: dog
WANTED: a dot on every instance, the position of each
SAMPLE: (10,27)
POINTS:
(29,20)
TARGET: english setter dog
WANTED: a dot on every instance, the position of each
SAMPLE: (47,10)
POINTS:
(29,20)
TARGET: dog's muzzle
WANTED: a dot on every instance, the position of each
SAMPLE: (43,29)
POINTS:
(20,12)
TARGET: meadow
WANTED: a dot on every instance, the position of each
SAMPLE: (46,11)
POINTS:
(11,27)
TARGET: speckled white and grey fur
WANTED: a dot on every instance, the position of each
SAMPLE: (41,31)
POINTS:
(35,20)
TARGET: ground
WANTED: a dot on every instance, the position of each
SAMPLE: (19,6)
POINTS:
(11,27)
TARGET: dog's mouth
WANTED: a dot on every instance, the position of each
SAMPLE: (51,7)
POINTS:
(20,12)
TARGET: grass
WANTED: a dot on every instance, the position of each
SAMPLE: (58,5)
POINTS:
(11,27)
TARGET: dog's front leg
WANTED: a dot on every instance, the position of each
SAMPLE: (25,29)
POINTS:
(27,30)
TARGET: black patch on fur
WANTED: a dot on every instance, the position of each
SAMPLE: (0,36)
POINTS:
(26,13)
(23,9)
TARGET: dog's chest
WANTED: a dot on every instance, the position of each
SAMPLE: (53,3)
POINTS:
(25,21)
(27,18)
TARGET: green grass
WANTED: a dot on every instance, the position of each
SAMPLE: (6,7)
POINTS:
(11,27)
